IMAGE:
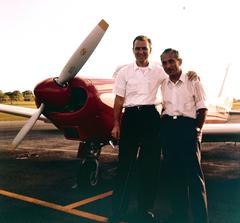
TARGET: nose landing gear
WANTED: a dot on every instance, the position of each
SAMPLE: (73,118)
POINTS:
(88,173)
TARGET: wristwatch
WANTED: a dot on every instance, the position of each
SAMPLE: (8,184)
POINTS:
(198,129)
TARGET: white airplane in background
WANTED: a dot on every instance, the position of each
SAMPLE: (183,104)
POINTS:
(219,108)
(82,109)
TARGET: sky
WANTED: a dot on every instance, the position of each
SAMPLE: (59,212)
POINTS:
(38,37)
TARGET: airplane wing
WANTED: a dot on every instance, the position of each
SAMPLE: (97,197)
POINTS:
(211,132)
(226,132)
(234,112)
(20,111)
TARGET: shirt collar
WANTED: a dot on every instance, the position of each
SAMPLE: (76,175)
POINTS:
(136,67)
(182,79)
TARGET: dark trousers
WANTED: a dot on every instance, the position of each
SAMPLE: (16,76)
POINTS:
(182,158)
(138,145)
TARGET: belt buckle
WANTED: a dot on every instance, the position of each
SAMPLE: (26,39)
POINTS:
(138,107)
(175,117)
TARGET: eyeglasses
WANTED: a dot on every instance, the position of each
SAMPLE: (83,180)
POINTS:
(141,48)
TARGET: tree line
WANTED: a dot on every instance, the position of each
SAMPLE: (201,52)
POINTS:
(16,96)
(29,96)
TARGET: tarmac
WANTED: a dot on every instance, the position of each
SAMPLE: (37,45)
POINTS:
(38,180)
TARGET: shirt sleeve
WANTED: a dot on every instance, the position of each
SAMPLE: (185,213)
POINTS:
(200,95)
(120,82)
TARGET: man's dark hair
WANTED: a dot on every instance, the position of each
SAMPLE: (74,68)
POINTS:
(170,50)
(143,38)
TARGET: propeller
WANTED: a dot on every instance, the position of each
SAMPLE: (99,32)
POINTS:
(75,63)
(83,52)
(27,127)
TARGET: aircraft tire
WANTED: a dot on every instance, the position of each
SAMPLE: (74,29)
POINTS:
(88,174)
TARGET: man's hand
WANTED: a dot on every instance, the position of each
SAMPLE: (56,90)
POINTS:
(116,131)
(192,76)
(199,135)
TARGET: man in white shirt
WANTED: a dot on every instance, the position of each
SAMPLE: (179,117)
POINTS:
(184,113)
(136,87)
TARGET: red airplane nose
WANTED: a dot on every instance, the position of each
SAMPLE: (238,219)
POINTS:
(50,93)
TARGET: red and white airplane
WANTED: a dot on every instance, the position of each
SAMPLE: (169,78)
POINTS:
(82,108)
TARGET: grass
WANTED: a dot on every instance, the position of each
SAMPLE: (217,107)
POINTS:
(26,104)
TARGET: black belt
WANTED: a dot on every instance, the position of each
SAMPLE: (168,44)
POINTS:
(140,107)
(176,117)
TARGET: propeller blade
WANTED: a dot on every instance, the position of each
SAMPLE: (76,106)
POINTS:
(75,63)
(82,54)
(27,127)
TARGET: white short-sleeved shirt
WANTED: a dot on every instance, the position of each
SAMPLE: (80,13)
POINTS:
(139,85)
(184,97)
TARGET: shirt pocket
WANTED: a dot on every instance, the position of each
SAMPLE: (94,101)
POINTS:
(132,88)
(153,85)
(143,87)
(188,106)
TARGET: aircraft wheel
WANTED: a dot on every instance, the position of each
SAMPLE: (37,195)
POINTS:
(88,173)
(93,179)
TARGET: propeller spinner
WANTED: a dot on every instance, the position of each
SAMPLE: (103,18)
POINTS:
(75,63)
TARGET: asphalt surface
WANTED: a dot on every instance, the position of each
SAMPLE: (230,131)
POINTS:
(37,180)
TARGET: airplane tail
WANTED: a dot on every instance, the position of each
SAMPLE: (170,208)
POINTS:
(219,109)
(225,95)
